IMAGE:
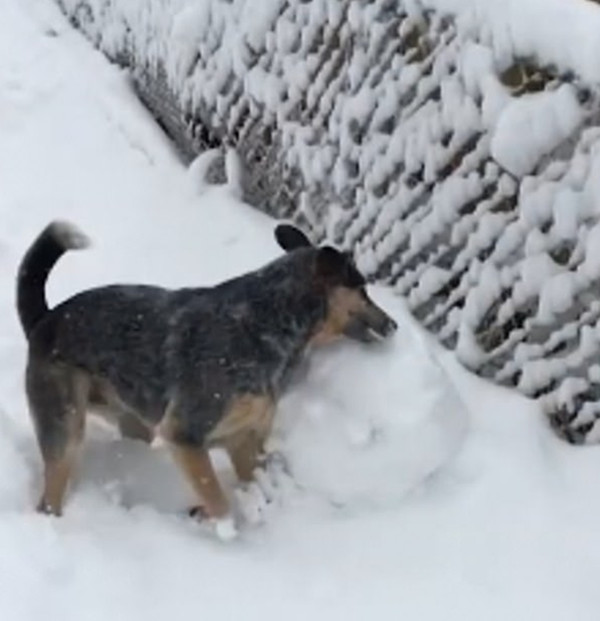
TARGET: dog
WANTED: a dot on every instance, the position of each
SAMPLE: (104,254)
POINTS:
(200,367)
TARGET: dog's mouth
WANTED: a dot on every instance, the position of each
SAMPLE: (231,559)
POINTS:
(369,328)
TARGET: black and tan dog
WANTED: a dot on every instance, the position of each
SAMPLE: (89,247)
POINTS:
(200,366)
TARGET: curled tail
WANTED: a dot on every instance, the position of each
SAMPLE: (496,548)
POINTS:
(50,245)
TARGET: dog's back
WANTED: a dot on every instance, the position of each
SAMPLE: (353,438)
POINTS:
(149,344)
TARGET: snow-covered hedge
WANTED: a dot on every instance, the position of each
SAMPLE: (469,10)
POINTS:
(452,144)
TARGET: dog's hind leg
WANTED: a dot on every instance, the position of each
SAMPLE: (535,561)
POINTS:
(105,402)
(57,399)
(131,427)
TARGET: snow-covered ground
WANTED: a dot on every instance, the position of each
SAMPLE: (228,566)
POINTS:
(418,491)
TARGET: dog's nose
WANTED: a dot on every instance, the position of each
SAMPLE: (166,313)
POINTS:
(390,326)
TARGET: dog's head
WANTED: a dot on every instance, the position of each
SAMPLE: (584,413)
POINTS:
(350,311)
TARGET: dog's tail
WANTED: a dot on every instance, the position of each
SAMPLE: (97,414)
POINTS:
(51,244)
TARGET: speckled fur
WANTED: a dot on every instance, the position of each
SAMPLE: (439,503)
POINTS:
(146,351)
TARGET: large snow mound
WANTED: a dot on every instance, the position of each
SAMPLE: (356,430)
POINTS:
(367,425)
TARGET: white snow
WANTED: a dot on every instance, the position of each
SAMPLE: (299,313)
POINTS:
(541,121)
(418,491)
(556,296)
(564,34)
(369,441)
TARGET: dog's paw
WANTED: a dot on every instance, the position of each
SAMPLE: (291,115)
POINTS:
(276,462)
(225,528)
(45,508)
(272,484)
(198,512)
(275,478)
(251,503)
(265,481)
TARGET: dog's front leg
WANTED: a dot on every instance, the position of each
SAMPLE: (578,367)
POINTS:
(198,469)
(244,451)
(195,463)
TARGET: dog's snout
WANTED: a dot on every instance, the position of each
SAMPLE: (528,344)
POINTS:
(371,323)
(390,326)
(380,320)
(385,325)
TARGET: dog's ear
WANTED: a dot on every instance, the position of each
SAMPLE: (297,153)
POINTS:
(330,265)
(337,268)
(290,238)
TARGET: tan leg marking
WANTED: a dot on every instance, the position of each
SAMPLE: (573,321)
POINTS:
(244,451)
(56,478)
(243,431)
(246,413)
(58,470)
(198,469)
(249,415)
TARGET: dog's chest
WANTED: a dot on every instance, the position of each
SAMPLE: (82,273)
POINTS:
(248,413)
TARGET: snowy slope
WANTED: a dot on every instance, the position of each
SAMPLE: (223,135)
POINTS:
(418,491)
